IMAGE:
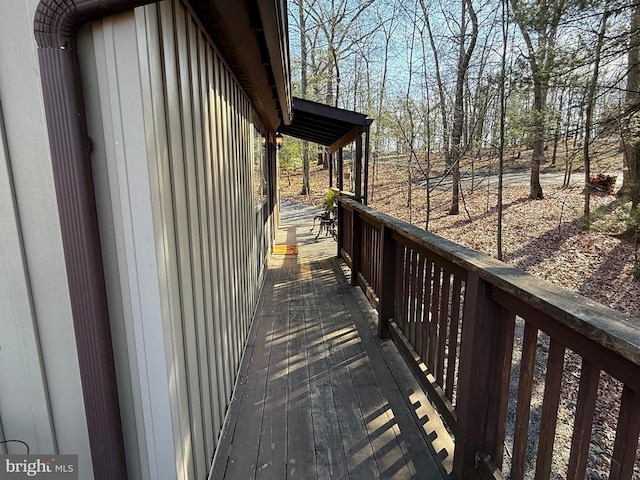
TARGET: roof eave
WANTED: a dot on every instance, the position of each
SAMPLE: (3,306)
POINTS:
(275,27)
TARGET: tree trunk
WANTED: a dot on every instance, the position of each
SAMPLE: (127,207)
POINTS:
(503,114)
(539,129)
(588,118)
(631,179)
(539,28)
(556,131)
(458,112)
(305,190)
(377,125)
(441,92)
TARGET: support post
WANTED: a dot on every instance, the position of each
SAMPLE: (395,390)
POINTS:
(486,347)
(358,166)
(366,164)
(330,170)
(356,246)
(339,221)
(340,169)
(472,379)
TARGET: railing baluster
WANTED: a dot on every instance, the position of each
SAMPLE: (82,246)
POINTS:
(626,445)
(372,256)
(585,407)
(421,306)
(399,282)
(453,337)
(525,388)
(356,246)
(341,227)
(413,275)
(550,403)
(406,253)
(388,280)
(364,245)
(435,318)
(475,370)
(375,265)
(378,260)
(426,313)
(442,325)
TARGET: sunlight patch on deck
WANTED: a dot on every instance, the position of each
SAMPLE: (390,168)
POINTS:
(285,250)
(305,269)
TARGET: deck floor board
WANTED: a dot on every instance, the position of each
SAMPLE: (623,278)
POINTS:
(316,397)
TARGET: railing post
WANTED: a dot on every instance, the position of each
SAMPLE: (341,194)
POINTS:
(479,352)
(387,292)
(339,221)
(356,246)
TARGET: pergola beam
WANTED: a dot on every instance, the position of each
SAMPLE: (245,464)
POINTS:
(345,140)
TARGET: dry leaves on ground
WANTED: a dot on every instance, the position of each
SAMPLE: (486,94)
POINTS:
(543,237)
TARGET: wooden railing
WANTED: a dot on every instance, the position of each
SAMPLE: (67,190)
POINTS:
(482,336)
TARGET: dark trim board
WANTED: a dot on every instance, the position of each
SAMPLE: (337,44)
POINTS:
(323,124)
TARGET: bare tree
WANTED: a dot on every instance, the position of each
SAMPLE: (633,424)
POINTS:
(538,22)
(589,115)
(335,19)
(631,130)
(388,27)
(302,25)
(458,109)
(503,112)
(441,90)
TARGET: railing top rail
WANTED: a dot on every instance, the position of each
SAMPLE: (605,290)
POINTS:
(613,330)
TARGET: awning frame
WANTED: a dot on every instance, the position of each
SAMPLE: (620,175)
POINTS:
(333,128)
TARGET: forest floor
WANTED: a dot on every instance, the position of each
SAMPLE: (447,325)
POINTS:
(545,237)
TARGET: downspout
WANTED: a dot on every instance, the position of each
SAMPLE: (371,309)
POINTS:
(56,25)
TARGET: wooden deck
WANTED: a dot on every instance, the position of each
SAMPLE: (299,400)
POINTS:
(316,397)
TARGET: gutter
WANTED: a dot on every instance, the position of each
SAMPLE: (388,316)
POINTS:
(56,25)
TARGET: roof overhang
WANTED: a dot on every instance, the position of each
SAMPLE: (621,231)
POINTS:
(325,125)
(252,37)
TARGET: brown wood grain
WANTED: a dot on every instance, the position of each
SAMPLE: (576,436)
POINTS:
(613,330)
(552,386)
(317,398)
(502,352)
(432,347)
(443,323)
(453,337)
(525,387)
(628,429)
(431,275)
(420,303)
(585,407)
(426,311)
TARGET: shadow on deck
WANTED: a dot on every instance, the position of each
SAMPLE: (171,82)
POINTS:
(316,396)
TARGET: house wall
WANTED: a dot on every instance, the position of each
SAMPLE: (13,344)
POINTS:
(40,390)
(185,235)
